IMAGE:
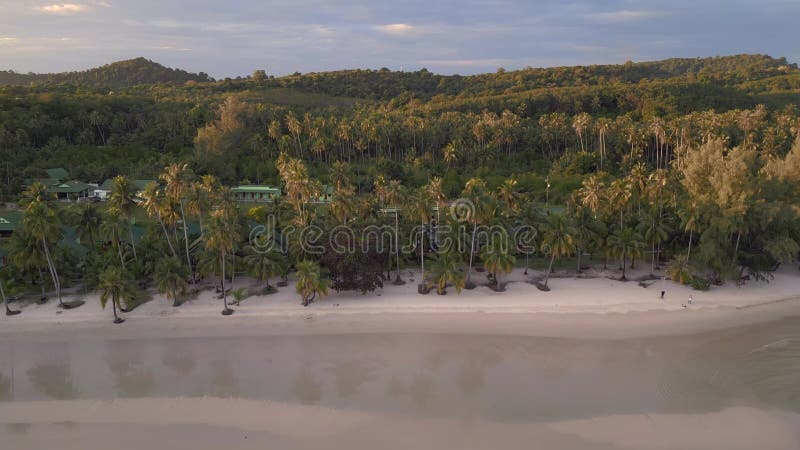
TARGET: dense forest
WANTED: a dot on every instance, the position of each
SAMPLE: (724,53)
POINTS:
(694,162)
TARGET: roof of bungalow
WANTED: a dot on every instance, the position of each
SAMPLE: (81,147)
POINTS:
(256,188)
(9,221)
(138,184)
(45,181)
(69,187)
(58,173)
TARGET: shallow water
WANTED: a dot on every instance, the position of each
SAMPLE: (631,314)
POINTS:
(502,379)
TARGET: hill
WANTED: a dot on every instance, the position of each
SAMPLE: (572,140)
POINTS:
(115,75)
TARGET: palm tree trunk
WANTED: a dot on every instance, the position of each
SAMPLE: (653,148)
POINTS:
(166,235)
(689,252)
(186,243)
(736,248)
(53,272)
(549,269)
(624,260)
(397,241)
(422,251)
(471,251)
(580,253)
(133,244)
(222,284)
(114,307)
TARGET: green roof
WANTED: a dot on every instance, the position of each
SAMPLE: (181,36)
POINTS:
(10,221)
(59,173)
(69,187)
(256,188)
(45,181)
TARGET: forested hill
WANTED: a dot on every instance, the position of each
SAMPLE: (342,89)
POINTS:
(116,75)
(384,84)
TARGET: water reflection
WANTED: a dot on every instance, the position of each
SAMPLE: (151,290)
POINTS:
(53,380)
(503,378)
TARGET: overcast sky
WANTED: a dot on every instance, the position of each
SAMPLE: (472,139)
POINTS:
(234,37)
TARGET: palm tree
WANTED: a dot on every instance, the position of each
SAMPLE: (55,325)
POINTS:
(26,253)
(506,193)
(558,240)
(530,217)
(112,229)
(591,194)
(220,240)
(263,262)
(115,285)
(419,210)
(588,231)
(170,276)
(603,125)
(498,260)
(654,230)
(177,178)
(310,283)
(154,203)
(445,269)
(9,311)
(41,222)
(679,269)
(581,123)
(87,223)
(626,243)
(122,201)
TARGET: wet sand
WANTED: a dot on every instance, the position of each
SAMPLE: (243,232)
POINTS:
(470,381)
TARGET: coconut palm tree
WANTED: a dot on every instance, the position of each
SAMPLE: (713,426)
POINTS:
(9,311)
(592,194)
(170,276)
(679,269)
(603,126)
(507,193)
(115,285)
(112,229)
(626,243)
(580,123)
(445,269)
(122,201)
(418,209)
(155,203)
(42,224)
(530,217)
(87,223)
(498,260)
(558,240)
(310,283)
(654,229)
(588,231)
(263,261)
(220,239)
(26,253)
(178,180)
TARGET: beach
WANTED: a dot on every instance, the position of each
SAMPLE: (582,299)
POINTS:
(593,364)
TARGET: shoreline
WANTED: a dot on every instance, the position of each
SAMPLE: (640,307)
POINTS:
(585,308)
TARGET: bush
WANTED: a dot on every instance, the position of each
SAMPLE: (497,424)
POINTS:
(700,284)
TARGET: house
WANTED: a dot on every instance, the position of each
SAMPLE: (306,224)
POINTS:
(9,221)
(256,193)
(70,190)
(104,190)
(325,195)
(59,173)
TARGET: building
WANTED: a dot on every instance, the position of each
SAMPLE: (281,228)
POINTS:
(325,195)
(256,193)
(9,221)
(70,190)
(104,190)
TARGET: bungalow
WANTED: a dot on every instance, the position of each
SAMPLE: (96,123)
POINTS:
(9,222)
(70,190)
(104,190)
(256,193)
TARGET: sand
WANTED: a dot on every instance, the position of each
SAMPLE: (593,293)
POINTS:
(209,423)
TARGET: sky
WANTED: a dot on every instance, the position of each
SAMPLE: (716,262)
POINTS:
(236,37)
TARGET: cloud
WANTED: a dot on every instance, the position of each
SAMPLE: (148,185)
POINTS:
(624,15)
(397,29)
(63,9)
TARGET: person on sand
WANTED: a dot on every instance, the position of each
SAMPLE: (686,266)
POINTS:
(691,300)
(662,295)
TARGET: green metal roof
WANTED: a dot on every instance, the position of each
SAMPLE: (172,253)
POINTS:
(256,188)
(10,221)
(58,173)
(45,181)
(69,187)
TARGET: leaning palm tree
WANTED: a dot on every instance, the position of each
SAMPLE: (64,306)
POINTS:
(310,283)
(220,238)
(116,286)
(41,222)
(178,180)
(558,240)
(445,269)
(122,201)
(170,276)
(155,203)
(498,260)
(25,252)
(626,243)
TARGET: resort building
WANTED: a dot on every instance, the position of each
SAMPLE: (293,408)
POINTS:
(9,221)
(104,190)
(57,183)
(256,193)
